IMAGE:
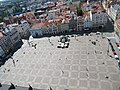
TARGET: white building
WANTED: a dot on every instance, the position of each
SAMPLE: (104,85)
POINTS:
(52,14)
(114,11)
(87,22)
(86,7)
(98,18)
(80,23)
(52,28)
(23,29)
(14,36)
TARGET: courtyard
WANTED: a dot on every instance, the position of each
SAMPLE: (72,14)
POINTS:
(81,66)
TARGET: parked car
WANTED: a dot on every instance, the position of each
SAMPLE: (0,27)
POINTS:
(63,45)
(63,42)
(64,39)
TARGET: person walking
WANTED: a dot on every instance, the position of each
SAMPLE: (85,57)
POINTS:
(13,60)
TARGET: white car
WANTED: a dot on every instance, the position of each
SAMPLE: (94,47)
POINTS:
(63,42)
(116,57)
(63,45)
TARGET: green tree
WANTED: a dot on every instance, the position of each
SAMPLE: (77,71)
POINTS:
(79,11)
(17,9)
(2,15)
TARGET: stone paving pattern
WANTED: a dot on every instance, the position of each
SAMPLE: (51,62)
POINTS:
(75,68)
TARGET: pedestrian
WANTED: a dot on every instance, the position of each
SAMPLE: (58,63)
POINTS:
(35,46)
(111,56)
(12,86)
(30,87)
(103,63)
(95,51)
(106,77)
(86,74)
(62,71)
(119,64)
(107,52)
(86,69)
(8,70)
(0,85)
(50,88)
(29,43)
(13,61)
(52,44)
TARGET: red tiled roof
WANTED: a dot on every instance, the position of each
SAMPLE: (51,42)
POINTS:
(1,35)
(118,20)
(37,25)
(84,4)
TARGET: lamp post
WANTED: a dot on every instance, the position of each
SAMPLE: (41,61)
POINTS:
(108,46)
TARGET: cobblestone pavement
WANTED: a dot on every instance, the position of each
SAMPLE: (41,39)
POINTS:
(82,66)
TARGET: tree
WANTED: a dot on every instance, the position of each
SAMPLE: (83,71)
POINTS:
(2,15)
(79,11)
(17,9)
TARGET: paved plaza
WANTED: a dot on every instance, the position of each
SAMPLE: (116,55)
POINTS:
(82,66)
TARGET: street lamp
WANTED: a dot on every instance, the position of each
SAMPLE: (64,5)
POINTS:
(108,46)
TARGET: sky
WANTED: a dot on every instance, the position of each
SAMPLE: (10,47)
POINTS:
(2,0)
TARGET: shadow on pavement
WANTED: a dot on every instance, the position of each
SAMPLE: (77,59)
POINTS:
(10,54)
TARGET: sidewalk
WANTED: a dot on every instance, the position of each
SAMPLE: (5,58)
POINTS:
(113,41)
(117,38)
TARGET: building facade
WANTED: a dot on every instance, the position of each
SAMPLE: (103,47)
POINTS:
(88,23)
(14,37)
(80,23)
(98,18)
(117,27)
(36,30)
(10,41)
(114,12)
(23,28)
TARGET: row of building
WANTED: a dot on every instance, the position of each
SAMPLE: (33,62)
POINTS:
(63,18)
(10,41)
(114,14)
(112,8)
(11,37)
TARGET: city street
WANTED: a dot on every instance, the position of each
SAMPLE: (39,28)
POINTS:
(81,66)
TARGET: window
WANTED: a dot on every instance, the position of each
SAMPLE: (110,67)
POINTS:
(16,38)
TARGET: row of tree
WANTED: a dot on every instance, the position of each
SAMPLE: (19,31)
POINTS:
(6,13)
(2,15)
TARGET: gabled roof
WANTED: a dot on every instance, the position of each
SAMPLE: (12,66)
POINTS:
(1,35)
(118,21)
(37,25)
